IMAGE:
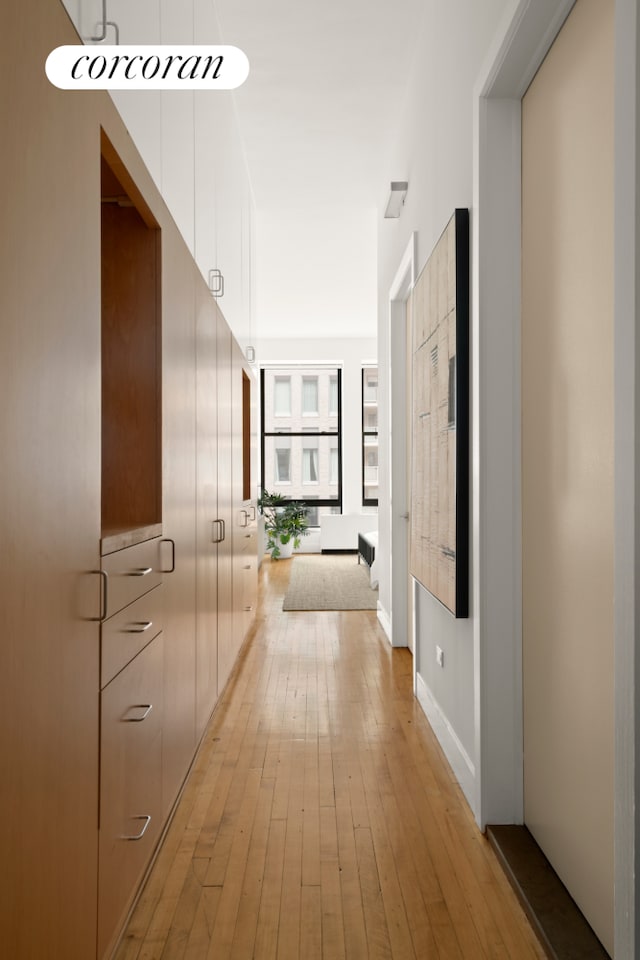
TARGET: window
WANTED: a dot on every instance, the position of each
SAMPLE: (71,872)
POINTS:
(283,465)
(282,396)
(310,395)
(301,457)
(333,465)
(370,436)
(310,465)
(333,396)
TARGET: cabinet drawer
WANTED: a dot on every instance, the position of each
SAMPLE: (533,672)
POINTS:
(130,784)
(126,633)
(131,573)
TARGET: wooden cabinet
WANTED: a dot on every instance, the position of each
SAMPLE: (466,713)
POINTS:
(226,646)
(131,721)
(117,384)
(209,529)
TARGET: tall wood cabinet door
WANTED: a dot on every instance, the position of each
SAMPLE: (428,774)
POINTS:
(179,515)
(226,650)
(50,483)
(245,517)
(209,529)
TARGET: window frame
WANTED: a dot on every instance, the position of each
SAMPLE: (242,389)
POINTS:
(312,501)
(367,501)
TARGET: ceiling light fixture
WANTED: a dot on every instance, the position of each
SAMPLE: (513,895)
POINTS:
(396,200)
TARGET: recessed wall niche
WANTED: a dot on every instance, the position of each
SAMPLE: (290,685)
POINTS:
(131,354)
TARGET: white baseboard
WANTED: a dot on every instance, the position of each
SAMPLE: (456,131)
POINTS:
(385,620)
(459,760)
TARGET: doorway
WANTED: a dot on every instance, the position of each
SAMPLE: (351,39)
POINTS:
(567,458)
(401,613)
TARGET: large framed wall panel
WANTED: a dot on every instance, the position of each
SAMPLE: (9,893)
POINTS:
(440,420)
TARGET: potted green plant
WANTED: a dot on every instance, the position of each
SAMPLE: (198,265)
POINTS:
(285,522)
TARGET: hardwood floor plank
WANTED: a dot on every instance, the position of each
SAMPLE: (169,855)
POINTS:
(320,818)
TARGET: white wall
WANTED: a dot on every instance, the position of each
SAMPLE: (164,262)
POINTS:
(433,151)
(350,354)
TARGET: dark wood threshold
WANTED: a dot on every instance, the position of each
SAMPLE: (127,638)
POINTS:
(560,926)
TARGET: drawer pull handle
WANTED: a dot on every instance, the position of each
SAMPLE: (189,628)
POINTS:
(138,836)
(247,566)
(173,554)
(139,626)
(248,609)
(104,596)
(246,518)
(253,513)
(140,572)
(147,707)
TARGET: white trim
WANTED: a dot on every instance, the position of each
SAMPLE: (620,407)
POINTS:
(527,34)
(385,621)
(459,760)
(401,287)
(520,46)
(626,479)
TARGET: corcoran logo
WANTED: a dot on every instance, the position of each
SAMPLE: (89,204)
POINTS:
(144,67)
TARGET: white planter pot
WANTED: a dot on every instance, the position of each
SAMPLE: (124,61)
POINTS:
(286,550)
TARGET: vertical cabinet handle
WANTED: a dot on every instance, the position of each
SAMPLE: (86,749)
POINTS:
(217,531)
(173,554)
(138,836)
(253,513)
(104,596)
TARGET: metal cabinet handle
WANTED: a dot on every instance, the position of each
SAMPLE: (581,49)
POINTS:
(140,572)
(253,513)
(147,707)
(138,836)
(216,283)
(222,531)
(103,27)
(247,566)
(173,554)
(248,609)
(246,518)
(104,596)
(138,626)
(219,537)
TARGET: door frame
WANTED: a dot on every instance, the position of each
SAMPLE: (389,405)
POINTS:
(520,46)
(402,631)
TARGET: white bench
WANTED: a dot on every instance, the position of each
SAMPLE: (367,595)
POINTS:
(367,548)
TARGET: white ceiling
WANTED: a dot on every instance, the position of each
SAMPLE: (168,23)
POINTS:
(326,85)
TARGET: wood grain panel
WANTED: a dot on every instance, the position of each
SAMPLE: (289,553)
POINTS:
(131,392)
(207,509)
(179,277)
(50,483)
(130,784)
(225,505)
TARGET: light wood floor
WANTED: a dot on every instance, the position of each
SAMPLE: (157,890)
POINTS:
(320,819)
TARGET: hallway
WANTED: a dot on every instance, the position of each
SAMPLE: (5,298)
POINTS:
(320,818)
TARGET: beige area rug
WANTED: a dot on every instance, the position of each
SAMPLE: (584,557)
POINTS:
(329,582)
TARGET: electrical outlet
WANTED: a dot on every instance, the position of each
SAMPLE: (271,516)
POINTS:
(440,656)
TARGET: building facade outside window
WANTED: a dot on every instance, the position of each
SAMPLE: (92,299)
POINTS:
(310,396)
(370,436)
(282,396)
(301,436)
